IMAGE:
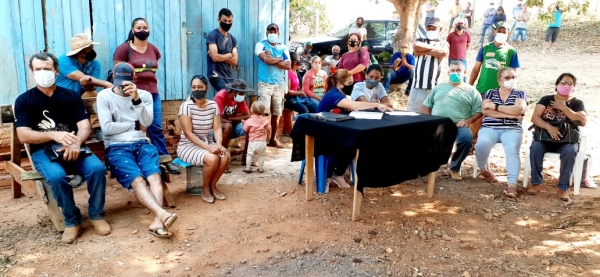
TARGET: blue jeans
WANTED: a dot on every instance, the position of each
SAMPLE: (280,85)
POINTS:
(155,130)
(464,62)
(520,32)
(55,174)
(218,83)
(568,152)
(464,140)
(392,78)
(128,161)
(484,28)
(292,103)
(511,141)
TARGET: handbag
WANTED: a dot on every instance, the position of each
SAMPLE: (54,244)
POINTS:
(51,151)
(567,128)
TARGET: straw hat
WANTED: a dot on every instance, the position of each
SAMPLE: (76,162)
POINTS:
(80,42)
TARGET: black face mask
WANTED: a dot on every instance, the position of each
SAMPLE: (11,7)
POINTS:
(353,43)
(90,56)
(141,35)
(225,26)
(335,54)
(199,94)
(347,89)
(359,24)
(459,27)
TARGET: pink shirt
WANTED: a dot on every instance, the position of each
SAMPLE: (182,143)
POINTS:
(314,83)
(350,60)
(257,127)
(293,77)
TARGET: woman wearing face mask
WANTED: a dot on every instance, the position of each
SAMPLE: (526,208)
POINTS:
(296,100)
(314,81)
(371,90)
(199,116)
(340,85)
(503,109)
(499,16)
(359,29)
(559,106)
(144,57)
(356,60)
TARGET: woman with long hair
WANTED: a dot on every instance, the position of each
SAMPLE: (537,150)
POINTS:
(297,100)
(356,60)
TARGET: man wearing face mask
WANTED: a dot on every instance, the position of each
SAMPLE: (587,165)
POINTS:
(79,69)
(330,62)
(429,53)
(233,108)
(273,60)
(49,115)
(459,42)
(222,52)
(461,103)
(487,23)
(401,69)
(304,60)
(515,12)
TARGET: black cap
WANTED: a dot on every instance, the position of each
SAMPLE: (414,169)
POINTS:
(271,26)
(433,21)
(238,85)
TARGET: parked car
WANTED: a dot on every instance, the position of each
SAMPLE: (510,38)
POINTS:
(380,34)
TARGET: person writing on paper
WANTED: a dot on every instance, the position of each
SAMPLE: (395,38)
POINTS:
(371,90)
(335,99)
(461,103)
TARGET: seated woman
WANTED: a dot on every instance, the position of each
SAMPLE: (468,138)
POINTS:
(556,107)
(503,110)
(199,116)
(314,81)
(341,86)
(371,90)
(296,100)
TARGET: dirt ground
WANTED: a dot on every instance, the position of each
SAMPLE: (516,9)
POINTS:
(267,228)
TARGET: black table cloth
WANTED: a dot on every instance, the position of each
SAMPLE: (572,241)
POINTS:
(392,150)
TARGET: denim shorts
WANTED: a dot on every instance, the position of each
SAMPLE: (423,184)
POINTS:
(131,160)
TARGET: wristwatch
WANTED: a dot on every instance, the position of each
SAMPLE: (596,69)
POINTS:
(497,105)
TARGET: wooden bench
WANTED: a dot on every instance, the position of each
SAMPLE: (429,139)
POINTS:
(33,181)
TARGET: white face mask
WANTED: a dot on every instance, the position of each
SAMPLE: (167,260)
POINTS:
(272,38)
(239,98)
(510,83)
(432,35)
(44,78)
(501,38)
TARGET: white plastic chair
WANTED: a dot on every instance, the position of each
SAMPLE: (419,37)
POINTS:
(475,167)
(577,168)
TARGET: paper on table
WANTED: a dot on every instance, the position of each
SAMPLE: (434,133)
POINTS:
(366,115)
(402,113)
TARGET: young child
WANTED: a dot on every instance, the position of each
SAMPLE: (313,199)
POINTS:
(258,129)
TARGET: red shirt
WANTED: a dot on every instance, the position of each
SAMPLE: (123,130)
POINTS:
(350,60)
(458,45)
(227,105)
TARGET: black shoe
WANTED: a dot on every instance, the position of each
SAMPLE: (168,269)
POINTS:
(173,168)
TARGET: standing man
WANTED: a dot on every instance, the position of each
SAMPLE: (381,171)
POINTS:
(49,115)
(521,19)
(359,29)
(429,53)
(305,58)
(79,69)
(462,104)
(553,29)
(454,13)
(273,61)
(429,11)
(459,42)
(487,23)
(401,69)
(222,51)
(330,62)
(515,12)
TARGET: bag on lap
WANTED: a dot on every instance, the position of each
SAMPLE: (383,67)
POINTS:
(567,128)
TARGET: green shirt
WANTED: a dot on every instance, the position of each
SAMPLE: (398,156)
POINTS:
(457,103)
(492,59)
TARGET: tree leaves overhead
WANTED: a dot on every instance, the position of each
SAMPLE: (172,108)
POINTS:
(303,15)
(546,13)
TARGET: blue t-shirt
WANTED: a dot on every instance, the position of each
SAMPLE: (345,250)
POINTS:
(268,73)
(403,70)
(68,65)
(225,44)
(557,19)
(330,100)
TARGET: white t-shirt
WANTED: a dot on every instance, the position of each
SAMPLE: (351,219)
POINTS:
(372,95)
(362,31)
(330,59)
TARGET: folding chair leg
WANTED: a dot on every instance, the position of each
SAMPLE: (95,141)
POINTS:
(301,174)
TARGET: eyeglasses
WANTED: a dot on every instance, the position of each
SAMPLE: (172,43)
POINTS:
(506,78)
(565,83)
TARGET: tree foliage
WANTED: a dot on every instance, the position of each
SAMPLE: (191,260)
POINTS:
(303,15)
(547,11)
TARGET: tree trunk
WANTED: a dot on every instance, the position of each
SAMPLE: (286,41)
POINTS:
(410,14)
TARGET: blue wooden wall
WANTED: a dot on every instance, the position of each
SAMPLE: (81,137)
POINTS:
(177,28)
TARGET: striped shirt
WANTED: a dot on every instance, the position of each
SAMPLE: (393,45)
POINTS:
(503,123)
(202,118)
(427,67)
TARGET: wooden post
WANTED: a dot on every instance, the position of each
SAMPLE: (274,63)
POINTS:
(431,184)
(15,157)
(358,196)
(310,167)
(56,216)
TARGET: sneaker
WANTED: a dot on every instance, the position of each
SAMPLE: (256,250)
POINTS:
(455,175)
(339,181)
(101,226)
(173,168)
(76,181)
(70,234)
(488,176)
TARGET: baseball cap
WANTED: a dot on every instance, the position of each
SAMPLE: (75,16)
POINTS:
(459,20)
(502,24)
(238,85)
(308,44)
(434,21)
(271,26)
(122,72)
(80,42)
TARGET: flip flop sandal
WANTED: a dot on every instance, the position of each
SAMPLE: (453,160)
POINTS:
(247,170)
(255,164)
(220,196)
(155,233)
(170,220)
(208,199)
(227,171)
(260,171)
(511,191)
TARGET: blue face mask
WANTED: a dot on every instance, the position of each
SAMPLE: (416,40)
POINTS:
(371,83)
(455,77)
(272,38)
(239,98)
